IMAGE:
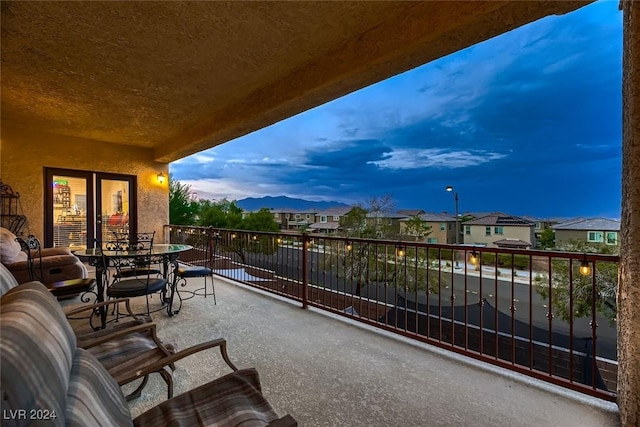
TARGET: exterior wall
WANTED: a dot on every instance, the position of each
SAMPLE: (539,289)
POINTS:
(448,235)
(628,297)
(478,236)
(24,155)
(566,236)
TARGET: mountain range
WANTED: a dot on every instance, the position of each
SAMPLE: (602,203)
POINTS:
(282,202)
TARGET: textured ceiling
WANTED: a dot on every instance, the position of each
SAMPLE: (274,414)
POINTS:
(181,77)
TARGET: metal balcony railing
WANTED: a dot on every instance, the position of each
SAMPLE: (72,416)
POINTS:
(547,314)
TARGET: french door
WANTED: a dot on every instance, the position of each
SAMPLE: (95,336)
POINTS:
(84,206)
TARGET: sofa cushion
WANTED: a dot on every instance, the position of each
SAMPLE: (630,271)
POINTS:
(94,398)
(37,346)
(7,280)
(10,250)
(231,400)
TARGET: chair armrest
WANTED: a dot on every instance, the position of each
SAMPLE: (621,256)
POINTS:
(149,328)
(45,252)
(172,358)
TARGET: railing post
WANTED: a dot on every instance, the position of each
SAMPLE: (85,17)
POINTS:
(305,278)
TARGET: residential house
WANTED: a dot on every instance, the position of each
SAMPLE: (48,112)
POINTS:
(500,230)
(294,219)
(442,227)
(542,224)
(387,224)
(591,230)
(328,220)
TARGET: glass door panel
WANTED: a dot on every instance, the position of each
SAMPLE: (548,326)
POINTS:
(68,209)
(115,205)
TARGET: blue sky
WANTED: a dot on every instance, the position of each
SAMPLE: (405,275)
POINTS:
(527,123)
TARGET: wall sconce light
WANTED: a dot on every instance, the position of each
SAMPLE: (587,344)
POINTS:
(585,267)
(400,251)
(473,258)
(348,246)
(161,178)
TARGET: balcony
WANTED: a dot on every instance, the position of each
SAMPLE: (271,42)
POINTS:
(326,369)
(430,297)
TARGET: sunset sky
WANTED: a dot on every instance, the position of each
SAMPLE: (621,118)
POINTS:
(527,123)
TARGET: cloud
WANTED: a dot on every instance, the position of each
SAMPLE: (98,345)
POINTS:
(434,158)
(517,123)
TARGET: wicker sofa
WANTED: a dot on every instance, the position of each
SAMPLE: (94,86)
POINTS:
(47,380)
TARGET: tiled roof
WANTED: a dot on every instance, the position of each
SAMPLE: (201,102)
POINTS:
(335,211)
(436,217)
(598,224)
(512,243)
(499,218)
(410,212)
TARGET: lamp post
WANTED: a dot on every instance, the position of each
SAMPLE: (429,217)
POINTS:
(455,196)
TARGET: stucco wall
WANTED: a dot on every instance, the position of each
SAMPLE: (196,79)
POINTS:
(509,232)
(24,155)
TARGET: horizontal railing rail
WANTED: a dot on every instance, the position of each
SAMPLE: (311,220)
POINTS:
(546,314)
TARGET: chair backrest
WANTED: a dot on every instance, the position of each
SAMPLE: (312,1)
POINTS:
(117,254)
(137,241)
(34,252)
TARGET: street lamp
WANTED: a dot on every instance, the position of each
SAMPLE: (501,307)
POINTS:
(455,196)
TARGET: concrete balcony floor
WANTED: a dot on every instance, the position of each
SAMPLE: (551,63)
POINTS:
(327,371)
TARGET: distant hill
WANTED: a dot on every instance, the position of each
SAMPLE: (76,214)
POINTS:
(280,202)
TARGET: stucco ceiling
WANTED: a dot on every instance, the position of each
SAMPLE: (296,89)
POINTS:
(180,77)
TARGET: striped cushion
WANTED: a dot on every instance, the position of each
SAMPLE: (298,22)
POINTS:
(94,398)
(232,400)
(7,281)
(122,356)
(37,347)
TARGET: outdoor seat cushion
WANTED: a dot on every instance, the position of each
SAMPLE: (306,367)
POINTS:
(71,287)
(232,400)
(193,271)
(135,288)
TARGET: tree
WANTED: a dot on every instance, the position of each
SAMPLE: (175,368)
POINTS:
(606,282)
(547,239)
(221,214)
(182,209)
(262,220)
(416,227)
(366,263)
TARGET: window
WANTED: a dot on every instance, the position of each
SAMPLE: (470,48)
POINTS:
(538,226)
(432,240)
(336,217)
(308,216)
(297,216)
(487,231)
(595,236)
(498,230)
(612,238)
(323,218)
(443,226)
(467,229)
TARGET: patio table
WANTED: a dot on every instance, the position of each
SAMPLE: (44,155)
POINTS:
(166,254)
